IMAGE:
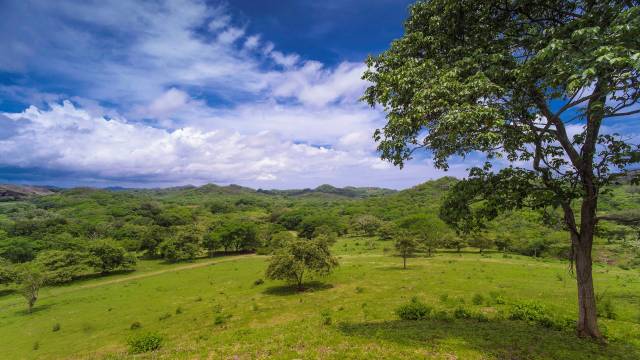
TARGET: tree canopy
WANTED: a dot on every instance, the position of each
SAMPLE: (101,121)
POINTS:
(528,82)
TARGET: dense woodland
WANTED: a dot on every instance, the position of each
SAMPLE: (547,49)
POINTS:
(79,232)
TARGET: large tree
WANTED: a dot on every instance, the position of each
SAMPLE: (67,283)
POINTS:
(531,82)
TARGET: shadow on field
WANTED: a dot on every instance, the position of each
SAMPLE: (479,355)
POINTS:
(91,276)
(5,292)
(285,290)
(35,309)
(499,339)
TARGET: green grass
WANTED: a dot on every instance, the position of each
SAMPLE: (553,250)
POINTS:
(222,313)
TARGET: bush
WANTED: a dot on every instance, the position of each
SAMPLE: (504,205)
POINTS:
(135,325)
(531,311)
(164,316)
(480,316)
(461,313)
(220,319)
(144,343)
(477,299)
(414,310)
(56,327)
(258,282)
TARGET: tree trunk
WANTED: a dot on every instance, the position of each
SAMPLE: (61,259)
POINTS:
(404,258)
(300,287)
(587,311)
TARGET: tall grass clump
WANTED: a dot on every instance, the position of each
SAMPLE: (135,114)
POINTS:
(414,310)
(144,343)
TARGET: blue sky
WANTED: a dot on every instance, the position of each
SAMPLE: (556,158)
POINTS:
(172,92)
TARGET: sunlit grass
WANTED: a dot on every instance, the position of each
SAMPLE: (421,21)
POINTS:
(271,320)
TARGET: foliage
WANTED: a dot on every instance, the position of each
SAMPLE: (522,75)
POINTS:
(62,265)
(366,224)
(185,245)
(30,278)
(299,257)
(7,272)
(406,246)
(414,310)
(505,80)
(427,229)
(107,256)
(235,235)
(144,343)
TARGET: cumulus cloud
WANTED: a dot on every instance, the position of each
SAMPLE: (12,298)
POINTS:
(65,137)
(176,92)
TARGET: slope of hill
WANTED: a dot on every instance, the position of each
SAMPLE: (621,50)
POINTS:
(12,192)
(326,189)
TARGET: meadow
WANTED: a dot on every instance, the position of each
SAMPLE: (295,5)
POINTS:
(224,308)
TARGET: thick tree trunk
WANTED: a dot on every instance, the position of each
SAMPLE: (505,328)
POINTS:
(587,313)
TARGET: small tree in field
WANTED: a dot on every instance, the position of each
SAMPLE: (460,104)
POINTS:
(454,242)
(406,246)
(531,82)
(299,258)
(428,230)
(480,241)
(30,278)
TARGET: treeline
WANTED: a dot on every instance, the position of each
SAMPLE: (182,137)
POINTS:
(86,231)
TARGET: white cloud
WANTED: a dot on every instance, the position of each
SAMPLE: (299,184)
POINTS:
(286,121)
(70,139)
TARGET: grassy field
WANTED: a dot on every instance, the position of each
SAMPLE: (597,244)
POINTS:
(212,309)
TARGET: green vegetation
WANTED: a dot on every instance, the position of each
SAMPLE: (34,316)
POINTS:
(224,314)
(533,83)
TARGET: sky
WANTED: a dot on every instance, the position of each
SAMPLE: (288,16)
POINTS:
(173,92)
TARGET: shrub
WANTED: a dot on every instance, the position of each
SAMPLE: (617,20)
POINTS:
(178,310)
(56,327)
(480,316)
(477,299)
(359,289)
(258,282)
(461,313)
(530,311)
(220,319)
(414,310)
(144,343)
(164,316)
(135,325)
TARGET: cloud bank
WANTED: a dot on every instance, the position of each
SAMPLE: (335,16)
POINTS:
(178,92)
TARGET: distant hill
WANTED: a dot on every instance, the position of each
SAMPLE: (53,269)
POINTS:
(11,192)
(326,189)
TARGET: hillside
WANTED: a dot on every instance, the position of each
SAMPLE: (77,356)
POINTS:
(11,192)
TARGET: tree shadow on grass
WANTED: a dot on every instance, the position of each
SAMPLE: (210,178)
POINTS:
(86,277)
(286,290)
(36,309)
(7,291)
(501,339)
